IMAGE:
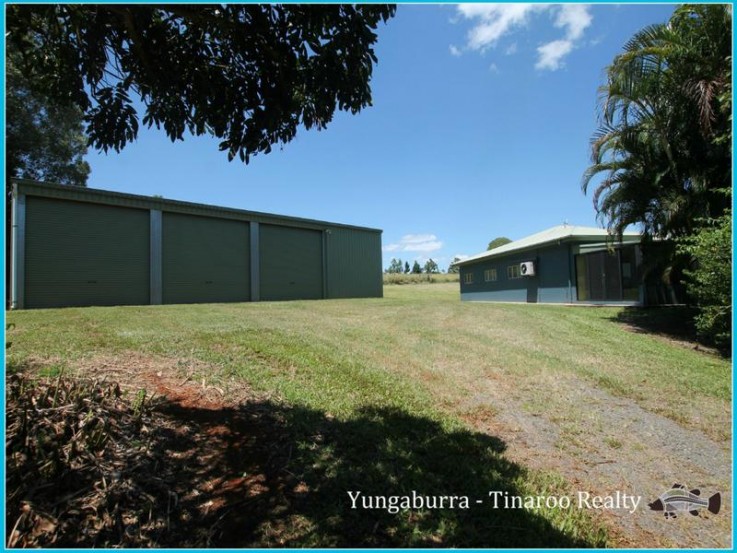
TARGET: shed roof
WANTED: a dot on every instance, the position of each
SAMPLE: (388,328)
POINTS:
(94,195)
(551,236)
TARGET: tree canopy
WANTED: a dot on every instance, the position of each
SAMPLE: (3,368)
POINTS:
(395,266)
(249,75)
(43,140)
(499,241)
(663,146)
(663,151)
(431,267)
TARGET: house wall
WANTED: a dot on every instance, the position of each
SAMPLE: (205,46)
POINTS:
(553,281)
(83,247)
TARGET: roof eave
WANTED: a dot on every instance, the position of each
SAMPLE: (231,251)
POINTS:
(492,254)
(125,199)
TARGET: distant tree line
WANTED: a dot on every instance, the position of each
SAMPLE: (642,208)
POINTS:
(397,266)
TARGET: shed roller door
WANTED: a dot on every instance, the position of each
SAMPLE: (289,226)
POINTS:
(291,263)
(205,260)
(80,254)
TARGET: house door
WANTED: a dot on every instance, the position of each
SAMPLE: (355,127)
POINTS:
(598,276)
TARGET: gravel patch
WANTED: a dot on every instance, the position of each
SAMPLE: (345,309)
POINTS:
(602,444)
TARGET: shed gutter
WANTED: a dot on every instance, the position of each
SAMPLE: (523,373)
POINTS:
(93,195)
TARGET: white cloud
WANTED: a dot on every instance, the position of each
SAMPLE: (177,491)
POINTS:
(574,18)
(493,68)
(550,55)
(492,22)
(454,50)
(415,243)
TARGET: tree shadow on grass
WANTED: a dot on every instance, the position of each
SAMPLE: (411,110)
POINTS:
(674,322)
(264,474)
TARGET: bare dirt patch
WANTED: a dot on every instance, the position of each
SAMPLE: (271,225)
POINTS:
(183,466)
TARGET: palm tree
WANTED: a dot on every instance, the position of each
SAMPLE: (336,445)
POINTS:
(663,146)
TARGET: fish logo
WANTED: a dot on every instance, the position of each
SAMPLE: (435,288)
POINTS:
(678,499)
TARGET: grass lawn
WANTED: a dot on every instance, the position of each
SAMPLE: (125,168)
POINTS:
(378,395)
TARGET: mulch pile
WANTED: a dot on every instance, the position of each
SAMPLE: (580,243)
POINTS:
(80,469)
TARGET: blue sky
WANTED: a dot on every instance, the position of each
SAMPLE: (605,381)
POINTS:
(480,128)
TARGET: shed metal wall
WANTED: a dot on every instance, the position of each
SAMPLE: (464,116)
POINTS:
(291,263)
(353,263)
(205,260)
(80,254)
(94,247)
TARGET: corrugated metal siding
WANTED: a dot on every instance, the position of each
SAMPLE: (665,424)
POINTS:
(353,264)
(205,259)
(81,254)
(291,263)
(93,247)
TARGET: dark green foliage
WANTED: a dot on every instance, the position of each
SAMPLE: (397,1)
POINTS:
(500,241)
(416,269)
(44,140)
(406,267)
(663,146)
(709,281)
(249,75)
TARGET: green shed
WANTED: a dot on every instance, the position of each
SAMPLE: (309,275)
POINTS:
(75,246)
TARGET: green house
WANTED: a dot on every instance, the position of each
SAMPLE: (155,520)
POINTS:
(563,264)
(74,246)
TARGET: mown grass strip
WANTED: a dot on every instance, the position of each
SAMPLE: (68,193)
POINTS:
(370,391)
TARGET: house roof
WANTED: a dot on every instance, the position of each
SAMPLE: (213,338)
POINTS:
(550,236)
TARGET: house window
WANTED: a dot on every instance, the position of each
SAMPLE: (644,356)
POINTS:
(468,278)
(490,275)
(513,271)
